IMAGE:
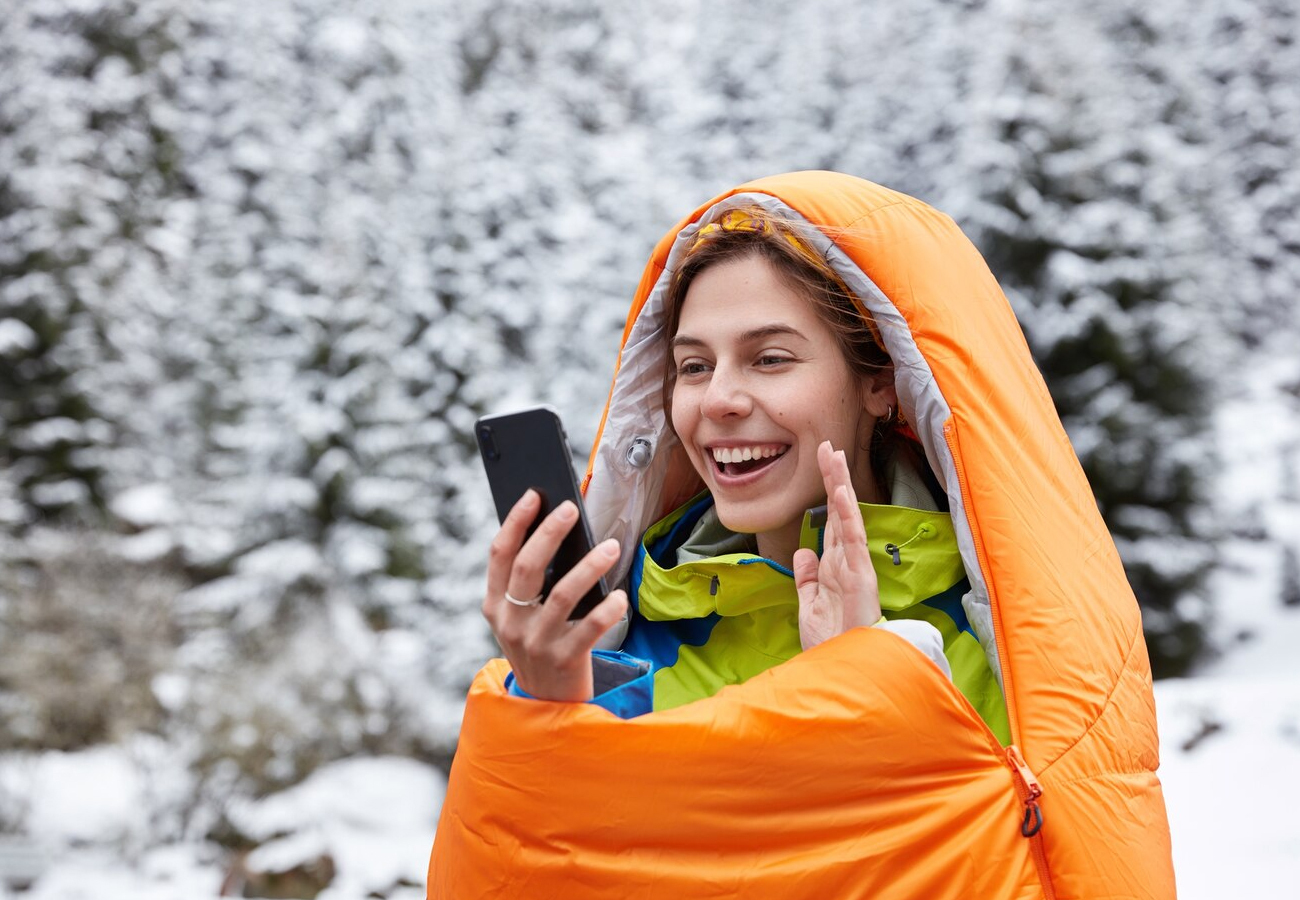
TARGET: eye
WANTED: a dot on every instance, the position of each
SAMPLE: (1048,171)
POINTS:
(689,367)
(768,360)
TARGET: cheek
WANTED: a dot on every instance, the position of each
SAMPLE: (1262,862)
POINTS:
(678,415)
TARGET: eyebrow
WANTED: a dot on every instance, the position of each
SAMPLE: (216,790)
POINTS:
(748,336)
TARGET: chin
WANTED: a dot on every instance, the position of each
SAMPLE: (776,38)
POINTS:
(750,521)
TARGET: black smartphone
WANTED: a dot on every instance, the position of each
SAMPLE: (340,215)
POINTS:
(528,449)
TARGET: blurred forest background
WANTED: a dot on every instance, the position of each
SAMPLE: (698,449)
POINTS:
(263,263)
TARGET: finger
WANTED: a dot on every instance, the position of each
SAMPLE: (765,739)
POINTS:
(812,609)
(828,463)
(805,570)
(584,633)
(862,603)
(806,584)
(849,518)
(840,514)
(844,524)
(836,473)
(824,453)
(528,572)
(505,546)
(575,584)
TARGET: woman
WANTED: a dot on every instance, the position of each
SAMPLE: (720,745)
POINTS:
(854,767)
(782,399)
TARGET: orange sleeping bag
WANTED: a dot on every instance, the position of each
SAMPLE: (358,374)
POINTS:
(855,769)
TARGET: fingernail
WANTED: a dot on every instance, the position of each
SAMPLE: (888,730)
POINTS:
(609,547)
(568,510)
(529,497)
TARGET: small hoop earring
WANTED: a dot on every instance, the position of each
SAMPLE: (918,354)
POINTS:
(889,416)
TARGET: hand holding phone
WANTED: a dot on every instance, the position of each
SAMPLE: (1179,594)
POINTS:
(544,548)
(528,449)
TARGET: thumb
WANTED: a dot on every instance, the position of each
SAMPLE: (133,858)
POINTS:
(806,564)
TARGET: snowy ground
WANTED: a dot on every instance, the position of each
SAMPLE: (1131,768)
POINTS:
(1230,737)
(1230,764)
(88,839)
(1232,798)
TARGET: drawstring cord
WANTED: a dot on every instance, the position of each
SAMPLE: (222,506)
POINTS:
(895,550)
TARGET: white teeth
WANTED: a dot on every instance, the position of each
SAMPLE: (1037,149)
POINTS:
(741,454)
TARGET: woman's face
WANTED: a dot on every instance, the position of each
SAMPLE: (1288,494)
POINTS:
(761,382)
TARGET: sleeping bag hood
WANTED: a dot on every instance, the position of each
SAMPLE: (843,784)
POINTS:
(855,769)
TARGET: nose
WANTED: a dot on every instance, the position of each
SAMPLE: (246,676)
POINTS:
(726,395)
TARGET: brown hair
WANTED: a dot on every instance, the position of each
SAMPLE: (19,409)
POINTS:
(755,232)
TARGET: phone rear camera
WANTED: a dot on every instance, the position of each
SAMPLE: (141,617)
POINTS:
(488,442)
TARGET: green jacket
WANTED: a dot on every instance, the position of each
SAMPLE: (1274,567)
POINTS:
(709,612)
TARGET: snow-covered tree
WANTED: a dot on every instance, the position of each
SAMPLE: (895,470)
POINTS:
(1079,213)
(84,156)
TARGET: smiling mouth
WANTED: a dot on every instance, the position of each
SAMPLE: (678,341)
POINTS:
(736,461)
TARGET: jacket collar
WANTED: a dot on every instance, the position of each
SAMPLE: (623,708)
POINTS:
(913,551)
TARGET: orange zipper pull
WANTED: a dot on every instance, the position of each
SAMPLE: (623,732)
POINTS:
(1033,821)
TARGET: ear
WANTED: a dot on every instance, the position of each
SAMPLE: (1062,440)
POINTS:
(878,393)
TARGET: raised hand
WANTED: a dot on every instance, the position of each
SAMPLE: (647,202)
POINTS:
(838,591)
(551,656)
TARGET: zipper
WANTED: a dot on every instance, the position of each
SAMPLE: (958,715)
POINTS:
(1031,825)
(999,638)
(1027,786)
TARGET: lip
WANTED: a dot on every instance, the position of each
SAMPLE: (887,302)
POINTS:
(733,443)
(723,480)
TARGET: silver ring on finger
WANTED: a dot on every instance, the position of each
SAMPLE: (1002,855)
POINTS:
(517,602)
